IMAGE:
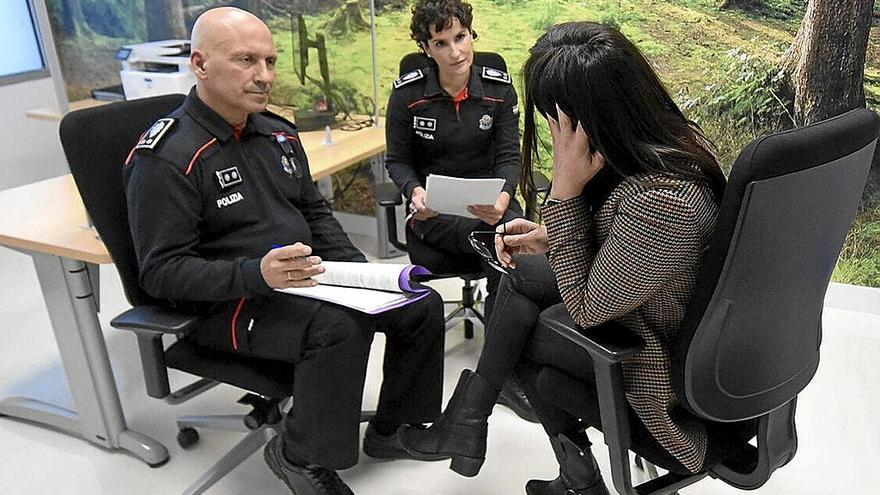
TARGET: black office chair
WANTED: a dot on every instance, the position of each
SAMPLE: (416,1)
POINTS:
(750,341)
(468,270)
(96,142)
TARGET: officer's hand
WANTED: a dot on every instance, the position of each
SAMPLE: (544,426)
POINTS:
(492,214)
(520,236)
(417,205)
(290,266)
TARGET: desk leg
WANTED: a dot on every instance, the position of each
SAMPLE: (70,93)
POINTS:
(67,291)
(384,249)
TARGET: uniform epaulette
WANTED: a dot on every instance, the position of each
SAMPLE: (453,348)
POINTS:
(496,75)
(155,134)
(408,78)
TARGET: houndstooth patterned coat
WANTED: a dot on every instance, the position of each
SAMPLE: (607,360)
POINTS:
(635,260)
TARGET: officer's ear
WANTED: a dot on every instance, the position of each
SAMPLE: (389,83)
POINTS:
(198,61)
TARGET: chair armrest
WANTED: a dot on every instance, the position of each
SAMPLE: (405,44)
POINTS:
(155,319)
(150,323)
(389,197)
(610,342)
(387,194)
(608,345)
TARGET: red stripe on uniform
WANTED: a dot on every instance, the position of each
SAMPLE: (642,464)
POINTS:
(423,100)
(499,100)
(235,322)
(131,153)
(199,153)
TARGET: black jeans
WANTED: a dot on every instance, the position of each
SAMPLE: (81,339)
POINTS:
(513,346)
(329,346)
(521,296)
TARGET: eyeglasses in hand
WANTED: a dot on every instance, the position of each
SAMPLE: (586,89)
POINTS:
(483,242)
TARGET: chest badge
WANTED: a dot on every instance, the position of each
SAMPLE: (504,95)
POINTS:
(288,157)
(424,124)
(486,122)
(228,177)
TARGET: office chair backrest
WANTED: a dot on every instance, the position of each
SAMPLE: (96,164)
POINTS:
(750,340)
(97,142)
(417,60)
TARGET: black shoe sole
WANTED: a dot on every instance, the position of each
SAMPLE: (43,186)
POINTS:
(403,455)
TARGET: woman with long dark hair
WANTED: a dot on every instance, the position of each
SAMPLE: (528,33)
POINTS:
(633,203)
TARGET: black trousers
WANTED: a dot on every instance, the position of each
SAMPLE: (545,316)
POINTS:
(441,245)
(329,346)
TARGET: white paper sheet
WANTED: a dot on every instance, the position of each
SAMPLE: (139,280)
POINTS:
(452,195)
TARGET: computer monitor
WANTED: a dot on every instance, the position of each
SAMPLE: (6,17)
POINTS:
(21,54)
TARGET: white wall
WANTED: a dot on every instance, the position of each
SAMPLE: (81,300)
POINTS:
(29,148)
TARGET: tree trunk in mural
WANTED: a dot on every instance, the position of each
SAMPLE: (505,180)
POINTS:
(164,19)
(348,19)
(72,17)
(825,65)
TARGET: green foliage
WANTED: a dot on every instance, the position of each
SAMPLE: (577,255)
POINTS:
(773,9)
(750,93)
(115,18)
(548,15)
(620,18)
(859,261)
(857,272)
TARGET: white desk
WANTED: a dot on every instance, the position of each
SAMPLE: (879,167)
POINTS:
(46,220)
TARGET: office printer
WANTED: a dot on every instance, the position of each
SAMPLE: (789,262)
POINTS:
(155,68)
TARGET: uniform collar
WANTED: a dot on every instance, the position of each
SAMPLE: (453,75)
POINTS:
(433,88)
(212,122)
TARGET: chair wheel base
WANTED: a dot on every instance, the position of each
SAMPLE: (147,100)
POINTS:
(160,463)
(187,437)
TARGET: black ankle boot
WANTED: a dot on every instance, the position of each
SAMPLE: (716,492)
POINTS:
(460,432)
(578,472)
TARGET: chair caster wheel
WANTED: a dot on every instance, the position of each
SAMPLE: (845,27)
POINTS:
(187,437)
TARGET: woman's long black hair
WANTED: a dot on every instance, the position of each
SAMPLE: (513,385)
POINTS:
(600,79)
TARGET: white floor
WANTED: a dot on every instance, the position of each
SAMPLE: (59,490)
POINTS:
(839,437)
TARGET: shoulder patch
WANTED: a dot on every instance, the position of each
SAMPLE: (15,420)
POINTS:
(496,75)
(408,78)
(154,134)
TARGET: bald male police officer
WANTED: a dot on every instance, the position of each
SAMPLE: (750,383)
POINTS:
(211,189)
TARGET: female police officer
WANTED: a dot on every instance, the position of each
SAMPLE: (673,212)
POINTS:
(458,119)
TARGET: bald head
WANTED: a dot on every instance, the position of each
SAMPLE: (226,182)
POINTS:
(216,24)
(233,58)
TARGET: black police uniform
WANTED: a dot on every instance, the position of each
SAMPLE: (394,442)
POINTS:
(427,134)
(206,202)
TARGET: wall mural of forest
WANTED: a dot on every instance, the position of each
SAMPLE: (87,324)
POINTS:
(740,68)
